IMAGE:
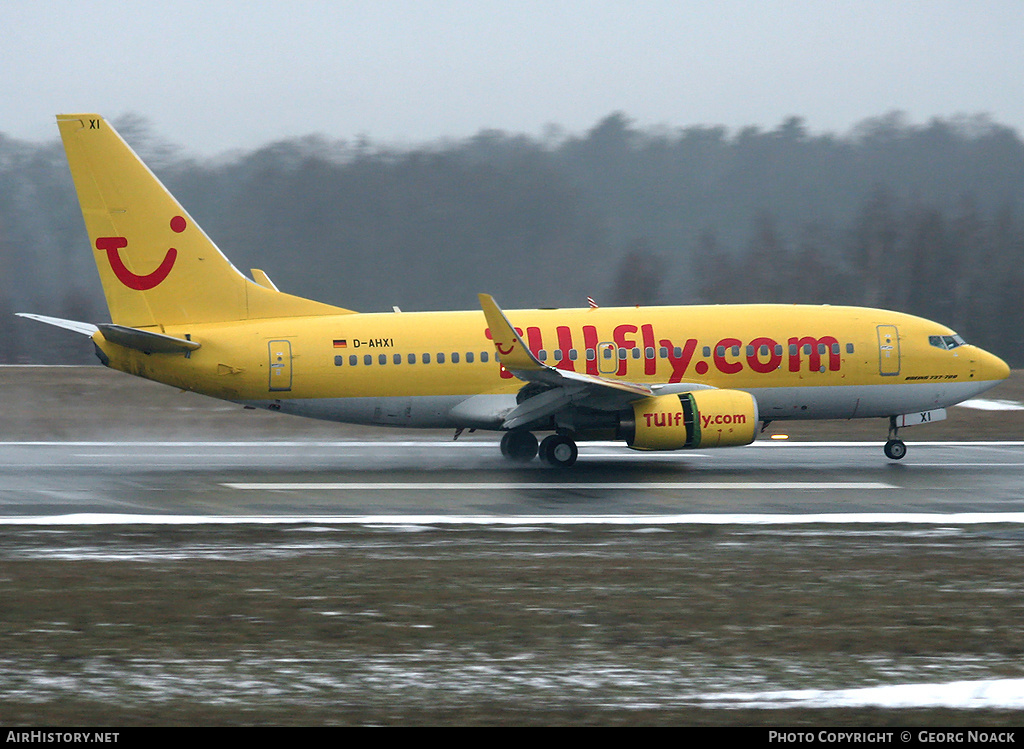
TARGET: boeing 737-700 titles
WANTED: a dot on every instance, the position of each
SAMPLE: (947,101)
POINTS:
(656,378)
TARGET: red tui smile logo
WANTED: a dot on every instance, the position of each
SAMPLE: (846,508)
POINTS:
(113,245)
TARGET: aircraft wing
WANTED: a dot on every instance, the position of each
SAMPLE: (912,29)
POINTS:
(565,388)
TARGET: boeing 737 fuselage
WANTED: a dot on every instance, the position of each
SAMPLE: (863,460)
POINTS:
(657,378)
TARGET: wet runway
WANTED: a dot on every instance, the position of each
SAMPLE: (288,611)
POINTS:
(431,582)
(458,480)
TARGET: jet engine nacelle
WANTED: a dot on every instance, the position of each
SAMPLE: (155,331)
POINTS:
(703,418)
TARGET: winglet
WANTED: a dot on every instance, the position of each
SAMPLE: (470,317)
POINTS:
(512,351)
(564,386)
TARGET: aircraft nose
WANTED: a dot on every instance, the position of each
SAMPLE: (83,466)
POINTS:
(990,367)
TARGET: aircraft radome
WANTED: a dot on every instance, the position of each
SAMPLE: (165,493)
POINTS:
(657,378)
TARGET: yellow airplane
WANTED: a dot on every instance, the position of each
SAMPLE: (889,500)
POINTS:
(657,378)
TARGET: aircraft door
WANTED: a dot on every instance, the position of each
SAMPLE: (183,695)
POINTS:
(888,350)
(280,365)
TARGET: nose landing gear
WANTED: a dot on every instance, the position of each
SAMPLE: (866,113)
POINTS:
(895,448)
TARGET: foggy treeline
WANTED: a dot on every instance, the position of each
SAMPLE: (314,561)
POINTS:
(925,219)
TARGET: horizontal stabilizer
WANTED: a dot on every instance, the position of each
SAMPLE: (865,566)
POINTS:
(84,328)
(146,341)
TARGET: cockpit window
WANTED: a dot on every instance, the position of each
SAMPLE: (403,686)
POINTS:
(946,342)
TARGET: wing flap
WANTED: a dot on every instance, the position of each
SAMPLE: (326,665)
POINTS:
(538,407)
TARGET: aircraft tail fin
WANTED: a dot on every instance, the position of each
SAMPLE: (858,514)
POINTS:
(156,265)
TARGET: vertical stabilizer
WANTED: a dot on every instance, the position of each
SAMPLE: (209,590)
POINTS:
(156,265)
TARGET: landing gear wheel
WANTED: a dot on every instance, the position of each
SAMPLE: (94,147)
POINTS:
(895,449)
(558,450)
(519,446)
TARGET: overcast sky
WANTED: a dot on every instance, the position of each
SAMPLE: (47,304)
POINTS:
(214,75)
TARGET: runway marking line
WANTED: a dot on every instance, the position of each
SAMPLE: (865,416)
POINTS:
(535,485)
(761,519)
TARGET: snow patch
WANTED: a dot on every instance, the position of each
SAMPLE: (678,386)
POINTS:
(986,404)
(1005,694)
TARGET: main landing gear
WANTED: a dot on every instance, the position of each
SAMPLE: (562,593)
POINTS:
(894,448)
(555,450)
